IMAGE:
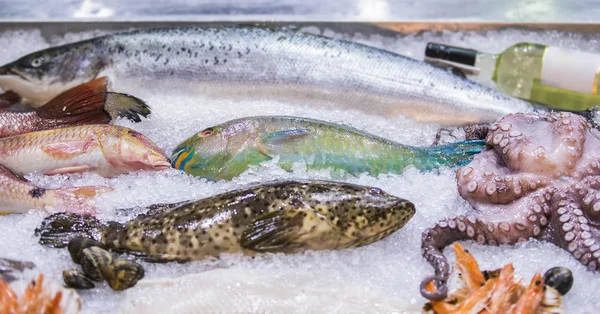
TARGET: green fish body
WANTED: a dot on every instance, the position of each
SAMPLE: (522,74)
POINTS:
(227,150)
(288,217)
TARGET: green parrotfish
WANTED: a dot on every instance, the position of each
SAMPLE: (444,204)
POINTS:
(225,151)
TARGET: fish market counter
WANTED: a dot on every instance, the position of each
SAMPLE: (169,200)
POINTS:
(156,165)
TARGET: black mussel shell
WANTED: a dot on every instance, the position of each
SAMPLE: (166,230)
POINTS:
(8,267)
(559,278)
(73,278)
(123,274)
(93,261)
(77,245)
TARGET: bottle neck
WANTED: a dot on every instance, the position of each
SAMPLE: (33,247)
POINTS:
(472,62)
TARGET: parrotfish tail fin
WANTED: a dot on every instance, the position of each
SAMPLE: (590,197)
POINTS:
(455,154)
(8,99)
(126,106)
(58,229)
(80,200)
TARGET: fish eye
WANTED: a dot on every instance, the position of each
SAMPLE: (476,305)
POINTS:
(37,62)
(207,132)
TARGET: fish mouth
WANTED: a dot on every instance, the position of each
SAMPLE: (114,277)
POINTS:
(160,163)
(8,70)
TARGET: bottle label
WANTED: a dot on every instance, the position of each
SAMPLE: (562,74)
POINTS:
(569,69)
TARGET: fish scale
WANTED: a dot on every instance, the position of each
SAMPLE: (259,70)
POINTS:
(263,63)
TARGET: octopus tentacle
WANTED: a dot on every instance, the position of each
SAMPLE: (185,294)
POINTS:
(447,231)
(572,232)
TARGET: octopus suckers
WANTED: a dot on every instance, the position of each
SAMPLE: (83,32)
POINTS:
(589,242)
(596,254)
(543,221)
(504,226)
(588,200)
(592,265)
(594,248)
(467,171)
(569,236)
(584,227)
(490,227)
(532,218)
(520,226)
(567,227)
(452,224)
(517,190)
(503,143)
(494,127)
(490,189)
(536,230)
(480,239)
(505,126)
(577,212)
(443,224)
(514,133)
(596,207)
(566,121)
(586,235)
(572,246)
(497,139)
(561,210)
(471,219)
(461,226)
(582,220)
(564,218)
(472,186)
(537,208)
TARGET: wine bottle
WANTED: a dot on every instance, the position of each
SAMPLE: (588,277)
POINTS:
(559,78)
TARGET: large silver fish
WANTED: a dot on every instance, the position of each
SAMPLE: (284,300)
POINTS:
(263,63)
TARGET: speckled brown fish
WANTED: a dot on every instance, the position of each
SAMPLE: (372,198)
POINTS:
(288,217)
(88,103)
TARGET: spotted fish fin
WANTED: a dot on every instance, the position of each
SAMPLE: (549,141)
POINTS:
(281,138)
(288,231)
(68,149)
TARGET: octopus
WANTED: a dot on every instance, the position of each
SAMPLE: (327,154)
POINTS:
(538,178)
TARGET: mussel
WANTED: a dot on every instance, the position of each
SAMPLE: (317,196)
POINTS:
(74,278)
(559,278)
(77,245)
(123,274)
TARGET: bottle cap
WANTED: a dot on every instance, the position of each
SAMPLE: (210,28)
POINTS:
(450,53)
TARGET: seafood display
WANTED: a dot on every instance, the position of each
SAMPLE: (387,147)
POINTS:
(98,265)
(288,217)
(9,268)
(39,296)
(250,198)
(495,291)
(539,178)
(263,63)
(18,195)
(225,151)
(87,103)
(107,150)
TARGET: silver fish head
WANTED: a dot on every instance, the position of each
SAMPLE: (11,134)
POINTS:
(209,152)
(40,76)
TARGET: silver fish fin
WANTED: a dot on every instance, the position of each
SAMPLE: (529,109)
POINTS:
(287,231)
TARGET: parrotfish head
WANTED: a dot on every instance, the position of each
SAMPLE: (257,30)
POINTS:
(41,75)
(128,150)
(209,152)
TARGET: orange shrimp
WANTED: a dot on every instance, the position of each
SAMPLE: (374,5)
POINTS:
(469,269)
(531,298)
